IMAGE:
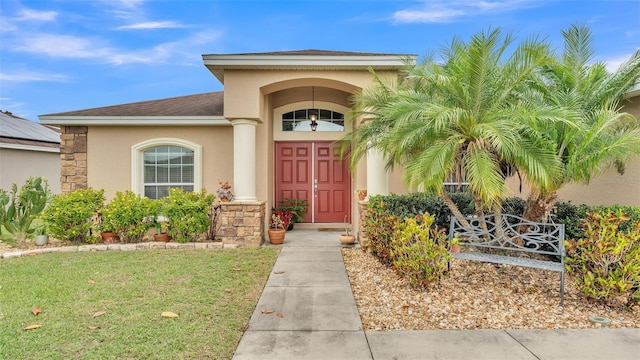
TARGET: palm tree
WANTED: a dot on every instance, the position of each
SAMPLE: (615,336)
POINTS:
(463,114)
(603,137)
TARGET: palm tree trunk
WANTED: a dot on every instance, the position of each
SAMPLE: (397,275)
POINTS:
(477,200)
(538,205)
(454,209)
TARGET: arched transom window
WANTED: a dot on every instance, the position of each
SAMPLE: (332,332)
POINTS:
(298,120)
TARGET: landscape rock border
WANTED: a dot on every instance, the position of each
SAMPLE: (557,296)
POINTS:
(153,245)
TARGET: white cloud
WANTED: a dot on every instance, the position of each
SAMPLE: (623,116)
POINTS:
(29,15)
(438,11)
(430,16)
(65,46)
(22,76)
(613,63)
(151,25)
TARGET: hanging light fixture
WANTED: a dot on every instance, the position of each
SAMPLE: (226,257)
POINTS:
(312,113)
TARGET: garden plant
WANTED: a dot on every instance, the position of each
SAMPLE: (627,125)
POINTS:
(20,207)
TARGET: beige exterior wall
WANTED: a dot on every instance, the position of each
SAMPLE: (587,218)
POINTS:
(610,188)
(244,90)
(265,95)
(109,153)
(16,166)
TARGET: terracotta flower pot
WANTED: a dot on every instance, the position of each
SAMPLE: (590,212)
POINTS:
(276,236)
(164,237)
(347,239)
(109,237)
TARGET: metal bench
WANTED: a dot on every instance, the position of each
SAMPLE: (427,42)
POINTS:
(511,236)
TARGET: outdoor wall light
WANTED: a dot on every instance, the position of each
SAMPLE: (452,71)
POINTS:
(312,113)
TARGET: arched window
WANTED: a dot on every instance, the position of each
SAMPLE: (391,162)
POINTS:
(298,120)
(162,164)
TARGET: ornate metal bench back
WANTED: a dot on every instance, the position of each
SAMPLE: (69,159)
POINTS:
(510,232)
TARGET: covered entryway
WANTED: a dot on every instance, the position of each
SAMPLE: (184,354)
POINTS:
(313,170)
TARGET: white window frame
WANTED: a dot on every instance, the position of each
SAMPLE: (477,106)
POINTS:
(450,183)
(137,161)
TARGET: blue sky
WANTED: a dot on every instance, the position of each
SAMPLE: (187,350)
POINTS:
(62,55)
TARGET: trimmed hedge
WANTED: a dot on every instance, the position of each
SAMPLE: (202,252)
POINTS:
(573,216)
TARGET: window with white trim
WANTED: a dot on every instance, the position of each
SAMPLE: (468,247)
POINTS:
(167,167)
(161,164)
(298,120)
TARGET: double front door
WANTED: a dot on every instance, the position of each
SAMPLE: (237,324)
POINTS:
(315,172)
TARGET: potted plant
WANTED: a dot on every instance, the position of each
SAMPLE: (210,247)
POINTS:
(454,245)
(347,238)
(105,225)
(279,222)
(161,235)
(361,193)
(297,207)
(41,237)
(224,191)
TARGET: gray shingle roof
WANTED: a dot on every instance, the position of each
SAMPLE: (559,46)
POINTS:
(206,104)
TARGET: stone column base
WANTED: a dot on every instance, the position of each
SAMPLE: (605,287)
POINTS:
(242,223)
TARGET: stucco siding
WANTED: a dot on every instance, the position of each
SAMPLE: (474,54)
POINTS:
(243,88)
(610,188)
(16,166)
(109,153)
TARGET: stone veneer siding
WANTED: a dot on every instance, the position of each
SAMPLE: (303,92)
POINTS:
(73,157)
(242,223)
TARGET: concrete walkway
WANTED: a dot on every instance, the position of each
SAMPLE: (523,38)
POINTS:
(307,311)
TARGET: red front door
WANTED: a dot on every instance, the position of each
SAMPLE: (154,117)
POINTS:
(314,171)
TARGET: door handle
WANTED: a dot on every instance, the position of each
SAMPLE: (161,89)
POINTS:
(315,187)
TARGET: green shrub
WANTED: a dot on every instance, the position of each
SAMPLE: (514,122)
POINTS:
(69,215)
(572,216)
(513,206)
(631,212)
(379,226)
(19,208)
(419,251)
(188,214)
(606,262)
(129,215)
(410,205)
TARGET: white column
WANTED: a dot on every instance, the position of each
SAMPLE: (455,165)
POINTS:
(244,159)
(377,176)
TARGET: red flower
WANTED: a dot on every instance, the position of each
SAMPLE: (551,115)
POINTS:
(281,219)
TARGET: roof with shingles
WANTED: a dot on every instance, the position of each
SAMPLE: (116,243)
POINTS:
(206,104)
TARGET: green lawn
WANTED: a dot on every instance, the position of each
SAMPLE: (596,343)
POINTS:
(213,292)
